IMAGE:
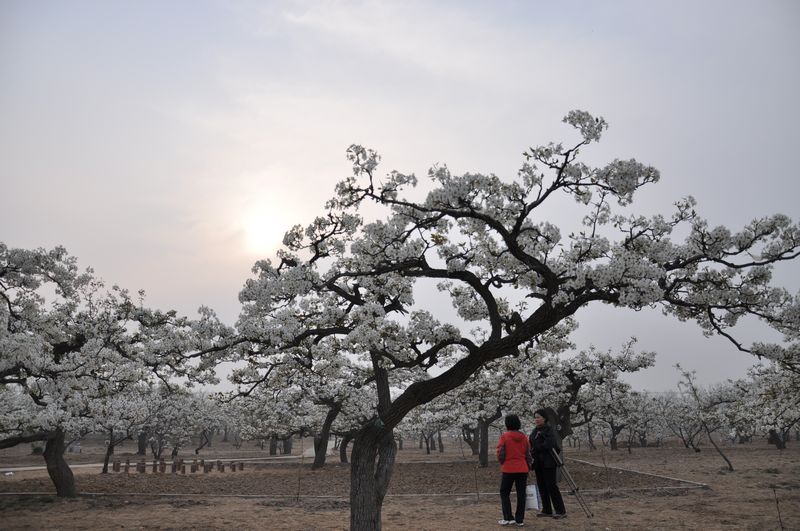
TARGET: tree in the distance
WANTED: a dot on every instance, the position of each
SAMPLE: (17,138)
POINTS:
(67,343)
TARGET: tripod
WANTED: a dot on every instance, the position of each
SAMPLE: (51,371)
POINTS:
(573,486)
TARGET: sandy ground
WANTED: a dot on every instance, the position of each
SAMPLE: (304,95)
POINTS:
(762,493)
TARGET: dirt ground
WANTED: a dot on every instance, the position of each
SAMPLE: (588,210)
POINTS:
(427,492)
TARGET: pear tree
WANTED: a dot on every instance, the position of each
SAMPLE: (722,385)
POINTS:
(510,273)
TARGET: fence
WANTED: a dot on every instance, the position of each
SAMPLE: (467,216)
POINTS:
(177,466)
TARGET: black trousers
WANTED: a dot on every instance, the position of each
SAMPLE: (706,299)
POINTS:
(548,490)
(520,480)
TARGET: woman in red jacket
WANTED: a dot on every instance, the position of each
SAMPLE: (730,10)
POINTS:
(512,452)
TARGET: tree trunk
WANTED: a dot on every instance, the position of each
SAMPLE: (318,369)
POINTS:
(472,437)
(142,443)
(321,440)
(109,450)
(564,421)
(427,443)
(590,438)
(373,457)
(346,438)
(613,442)
(57,467)
(441,444)
(483,453)
(483,426)
(433,442)
(156,449)
(287,445)
(273,445)
(776,439)
(719,451)
(205,440)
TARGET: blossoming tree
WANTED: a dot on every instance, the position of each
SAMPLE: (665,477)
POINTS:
(510,272)
(67,344)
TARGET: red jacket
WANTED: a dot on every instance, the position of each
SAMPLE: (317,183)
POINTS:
(517,446)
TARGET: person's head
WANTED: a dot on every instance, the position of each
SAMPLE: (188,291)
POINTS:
(512,422)
(540,417)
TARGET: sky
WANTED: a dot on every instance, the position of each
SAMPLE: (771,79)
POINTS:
(169,145)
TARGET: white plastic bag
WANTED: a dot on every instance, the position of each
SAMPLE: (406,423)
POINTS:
(532,500)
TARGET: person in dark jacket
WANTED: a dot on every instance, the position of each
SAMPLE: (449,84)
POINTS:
(543,441)
(513,451)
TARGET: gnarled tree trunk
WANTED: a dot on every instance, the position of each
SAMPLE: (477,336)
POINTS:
(321,440)
(109,450)
(483,426)
(57,467)
(590,437)
(346,438)
(287,445)
(142,443)
(273,445)
(564,421)
(472,437)
(483,452)
(373,457)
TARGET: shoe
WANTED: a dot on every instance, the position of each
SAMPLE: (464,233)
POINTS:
(544,515)
(560,515)
(506,522)
(520,524)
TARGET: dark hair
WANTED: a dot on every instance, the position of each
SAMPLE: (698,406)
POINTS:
(512,422)
(543,413)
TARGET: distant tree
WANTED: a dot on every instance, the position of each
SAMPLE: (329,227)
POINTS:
(120,416)
(572,385)
(67,344)
(709,406)
(768,402)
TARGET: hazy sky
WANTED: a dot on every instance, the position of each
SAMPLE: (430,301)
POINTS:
(170,144)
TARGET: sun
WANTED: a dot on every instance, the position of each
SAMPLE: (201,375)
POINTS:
(263,231)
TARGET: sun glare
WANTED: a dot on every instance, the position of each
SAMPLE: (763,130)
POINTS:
(263,232)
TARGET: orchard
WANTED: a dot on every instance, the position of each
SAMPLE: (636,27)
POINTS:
(334,342)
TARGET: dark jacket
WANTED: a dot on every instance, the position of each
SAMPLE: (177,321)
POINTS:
(543,440)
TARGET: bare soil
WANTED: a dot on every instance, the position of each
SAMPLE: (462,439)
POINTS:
(437,491)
